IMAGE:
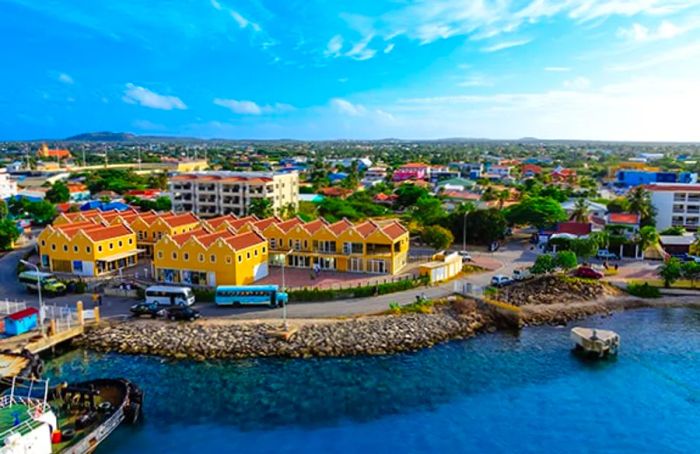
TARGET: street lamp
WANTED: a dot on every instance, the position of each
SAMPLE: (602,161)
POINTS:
(41,301)
(284,288)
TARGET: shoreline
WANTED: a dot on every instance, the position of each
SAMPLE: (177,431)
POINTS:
(358,336)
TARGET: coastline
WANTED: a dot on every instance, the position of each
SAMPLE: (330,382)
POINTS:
(366,335)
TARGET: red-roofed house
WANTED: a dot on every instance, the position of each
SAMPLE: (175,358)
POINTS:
(627,222)
(563,175)
(530,170)
(411,171)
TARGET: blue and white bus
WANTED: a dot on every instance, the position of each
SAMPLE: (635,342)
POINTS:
(239,295)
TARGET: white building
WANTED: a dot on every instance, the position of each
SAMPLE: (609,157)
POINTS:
(676,205)
(217,193)
(8,187)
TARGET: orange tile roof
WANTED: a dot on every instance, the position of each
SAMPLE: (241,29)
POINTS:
(217,221)
(209,238)
(76,187)
(340,226)
(286,226)
(265,223)
(106,233)
(245,240)
(182,237)
(394,230)
(366,228)
(238,223)
(176,220)
(314,225)
(623,218)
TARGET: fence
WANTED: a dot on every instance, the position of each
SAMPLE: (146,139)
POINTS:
(10,307)
(468,289)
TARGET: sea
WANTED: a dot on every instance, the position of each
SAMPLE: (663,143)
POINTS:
(507,392)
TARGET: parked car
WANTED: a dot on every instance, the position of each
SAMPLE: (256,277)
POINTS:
(689,258)
(521,274)
(588,273)
(604,254)
(179,313)
(500,280)
(150,309)
(466,257)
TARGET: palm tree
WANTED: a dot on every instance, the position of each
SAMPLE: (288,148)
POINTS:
(648,236)
(580,212)
(502,196)
(640,203)
(601,239)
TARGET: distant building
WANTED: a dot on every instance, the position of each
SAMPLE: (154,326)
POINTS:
(47,153)
(627,221)
(563,175)
(8,187)
(411,171)
(217,193)
(530,170)
(456,184)
(633,177)
(78,192)
(676,205)
(593,208)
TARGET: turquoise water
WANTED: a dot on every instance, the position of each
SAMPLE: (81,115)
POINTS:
(495,393)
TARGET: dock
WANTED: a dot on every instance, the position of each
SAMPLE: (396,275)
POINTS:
(601,342)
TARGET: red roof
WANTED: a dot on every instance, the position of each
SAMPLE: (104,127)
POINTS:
(106,233)
(575,228)
(531,168)
(623,218)
(245,240)
(23,314)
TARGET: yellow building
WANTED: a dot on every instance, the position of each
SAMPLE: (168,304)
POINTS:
(87,248)
(223,257)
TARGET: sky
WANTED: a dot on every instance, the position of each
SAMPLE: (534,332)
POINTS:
(360,69)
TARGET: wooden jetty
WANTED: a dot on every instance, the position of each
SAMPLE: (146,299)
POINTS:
(596,341)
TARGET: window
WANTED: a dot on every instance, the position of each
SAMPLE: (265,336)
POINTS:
(212,258)
(99,248)
(264,249)
(228,259)
(121,243)
(43,243)
(65,248)
(111,246)
(256,252)
(75,248)
(174,255)
(240,258)
(160,254)
(88,249)
(53,247)
(131,241)
(201,258)
(272,243)
(247,254)
(185,256)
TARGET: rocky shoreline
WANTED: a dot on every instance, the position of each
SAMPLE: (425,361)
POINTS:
(372,335)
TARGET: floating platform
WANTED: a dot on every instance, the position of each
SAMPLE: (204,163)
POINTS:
(600,342)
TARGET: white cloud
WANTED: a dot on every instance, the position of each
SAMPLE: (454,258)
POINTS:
(476,81)
(216,5)
(577,83)
(66,79)
(359,50)
(682,54)
(639,33)
(133,94)
(557,69)
(243,22)
(389,47)
(334,46)
(347,108)
(505,45)
(245,107)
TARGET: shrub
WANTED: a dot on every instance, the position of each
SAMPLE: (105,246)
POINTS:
(643,290)
(204,295)
(543,264)
(315,294)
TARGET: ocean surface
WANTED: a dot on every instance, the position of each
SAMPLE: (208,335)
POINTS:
(502,392)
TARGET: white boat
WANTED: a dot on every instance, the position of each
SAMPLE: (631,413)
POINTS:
(65,419)
(597,341)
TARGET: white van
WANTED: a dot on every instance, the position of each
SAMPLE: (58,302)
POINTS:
(166,295)
(521,274)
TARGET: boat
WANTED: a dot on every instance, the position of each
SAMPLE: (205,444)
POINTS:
(71,419)
(600,342)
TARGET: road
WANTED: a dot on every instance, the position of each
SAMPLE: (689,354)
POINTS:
(511,256)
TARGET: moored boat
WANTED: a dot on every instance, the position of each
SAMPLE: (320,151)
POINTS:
(71,419)
(22,365)
(600,342)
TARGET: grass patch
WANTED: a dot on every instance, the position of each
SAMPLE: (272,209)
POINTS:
(679,284)
(469,268)
(643,290)
(315,294)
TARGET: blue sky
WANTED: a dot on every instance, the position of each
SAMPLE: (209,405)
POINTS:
(314,69)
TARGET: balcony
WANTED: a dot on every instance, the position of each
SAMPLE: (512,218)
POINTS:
(378,249)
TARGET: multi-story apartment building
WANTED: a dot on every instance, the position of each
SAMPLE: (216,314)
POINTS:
(8,187)
(676,205)
(219,193)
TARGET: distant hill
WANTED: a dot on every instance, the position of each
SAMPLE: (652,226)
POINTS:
(103,136)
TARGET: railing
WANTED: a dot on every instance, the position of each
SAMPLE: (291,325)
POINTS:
(64,317)
(10,307)
(30,423)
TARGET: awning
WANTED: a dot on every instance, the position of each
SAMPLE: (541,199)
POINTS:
(122,255)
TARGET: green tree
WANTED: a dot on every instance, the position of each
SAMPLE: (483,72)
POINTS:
(618,205)
(42,212)
(163,203)
(408,194)
(675,230)
(483,226)
(543,264)
(566,260)
(639,201)
(601,239)
(158,181)
(647,237)
(580,212)
(583,247)
(540,212)
(58,193)
(4,210)
(428,210)
(691,271)
(261,208)
(437,237)
(671,271)
(9,233)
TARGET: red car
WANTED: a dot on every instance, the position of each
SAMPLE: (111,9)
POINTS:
(588,273)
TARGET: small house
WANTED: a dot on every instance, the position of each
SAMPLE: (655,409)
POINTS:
(442,267)
(21,322)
